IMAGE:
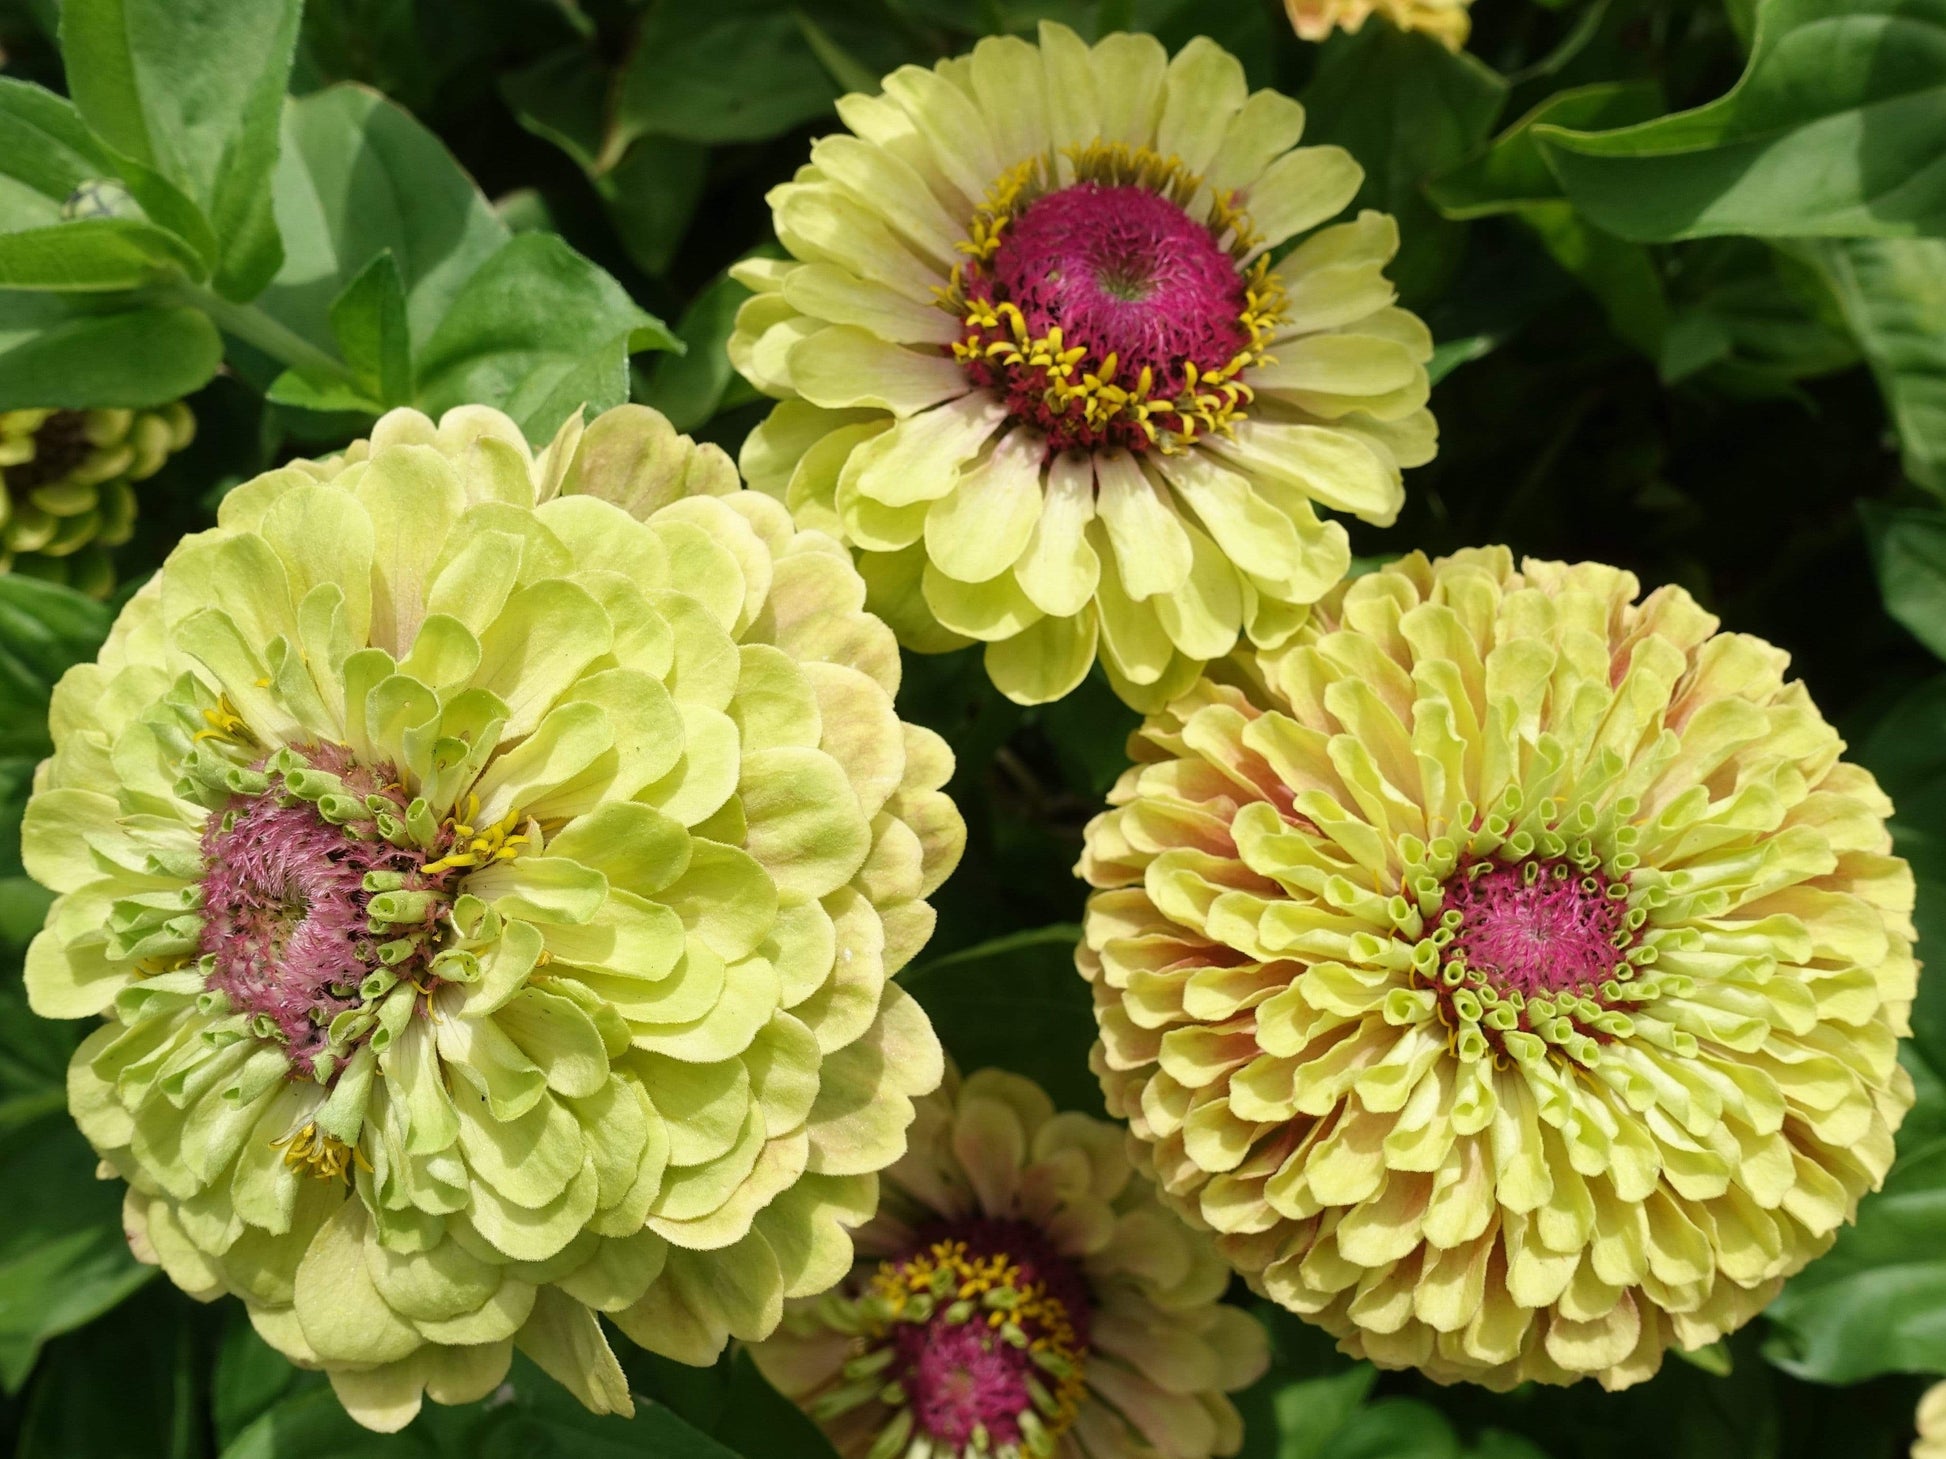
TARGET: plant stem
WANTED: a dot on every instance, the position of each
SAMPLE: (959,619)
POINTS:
(254,327)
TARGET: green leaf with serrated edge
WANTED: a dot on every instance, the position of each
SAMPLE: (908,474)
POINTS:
(78,351)
(193,89)
(1408,109)
(357,177)
(1893,294)
(1836,128)
(1016,1003)
(536,331)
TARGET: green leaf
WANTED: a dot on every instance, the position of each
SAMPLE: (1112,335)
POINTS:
(77,351)
(127,1388)
(314,1425)
(368,321)
(1909,551)
(744,70)
(250,1377)
(1836,128)
(63,1258)
(757,1419)
(691,387)
(1893,294)
(1016,1003)
(537,331)
(649,185)
(43,629)
(1512,172)
(1394,1428)
(359,177)
(1512,176)
(91,255)
(193,89)
(1408,109)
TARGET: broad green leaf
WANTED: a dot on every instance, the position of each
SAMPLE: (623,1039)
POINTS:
(312,1424)
(744,70)
(757,1419)
(1512,172)
(1909,550)
(1893,293)
(1408,109)
(357,177)
(53,168)
(91,255)
(1756,317)
(537,331)
(250,1377)
(128,1387)
(691,387)
(1836,128)
(1016,1003)
(1512,176)
(193,89)
(77,351)
(63,1258)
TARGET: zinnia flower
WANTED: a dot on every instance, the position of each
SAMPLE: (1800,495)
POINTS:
(1028,1296)
(1446,21)
(1043,367)
(1931,1443)
(1510,972)
(67,486)
(489,868)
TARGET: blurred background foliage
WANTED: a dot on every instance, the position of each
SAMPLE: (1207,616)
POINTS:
(1710,348)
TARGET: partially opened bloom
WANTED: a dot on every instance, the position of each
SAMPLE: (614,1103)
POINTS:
(1445,20)
(1510,971)
(489,868)
(67,486)
(1024,1294)
(1044,365)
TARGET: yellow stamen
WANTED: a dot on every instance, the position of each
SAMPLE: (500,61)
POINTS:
(224,723)
(324,1156)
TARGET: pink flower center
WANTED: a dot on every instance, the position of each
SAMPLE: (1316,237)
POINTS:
(1115,282)
(287,905)
(1538,926)
(988,1334)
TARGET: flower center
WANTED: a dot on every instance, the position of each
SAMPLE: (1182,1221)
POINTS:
(1539,925)
(319,898)
(1538,952)
(980,1337)
(1103,311)
(60,445)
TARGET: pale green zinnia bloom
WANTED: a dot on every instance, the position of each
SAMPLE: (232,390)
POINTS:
(488,869)
(67,486)
(1072,353)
